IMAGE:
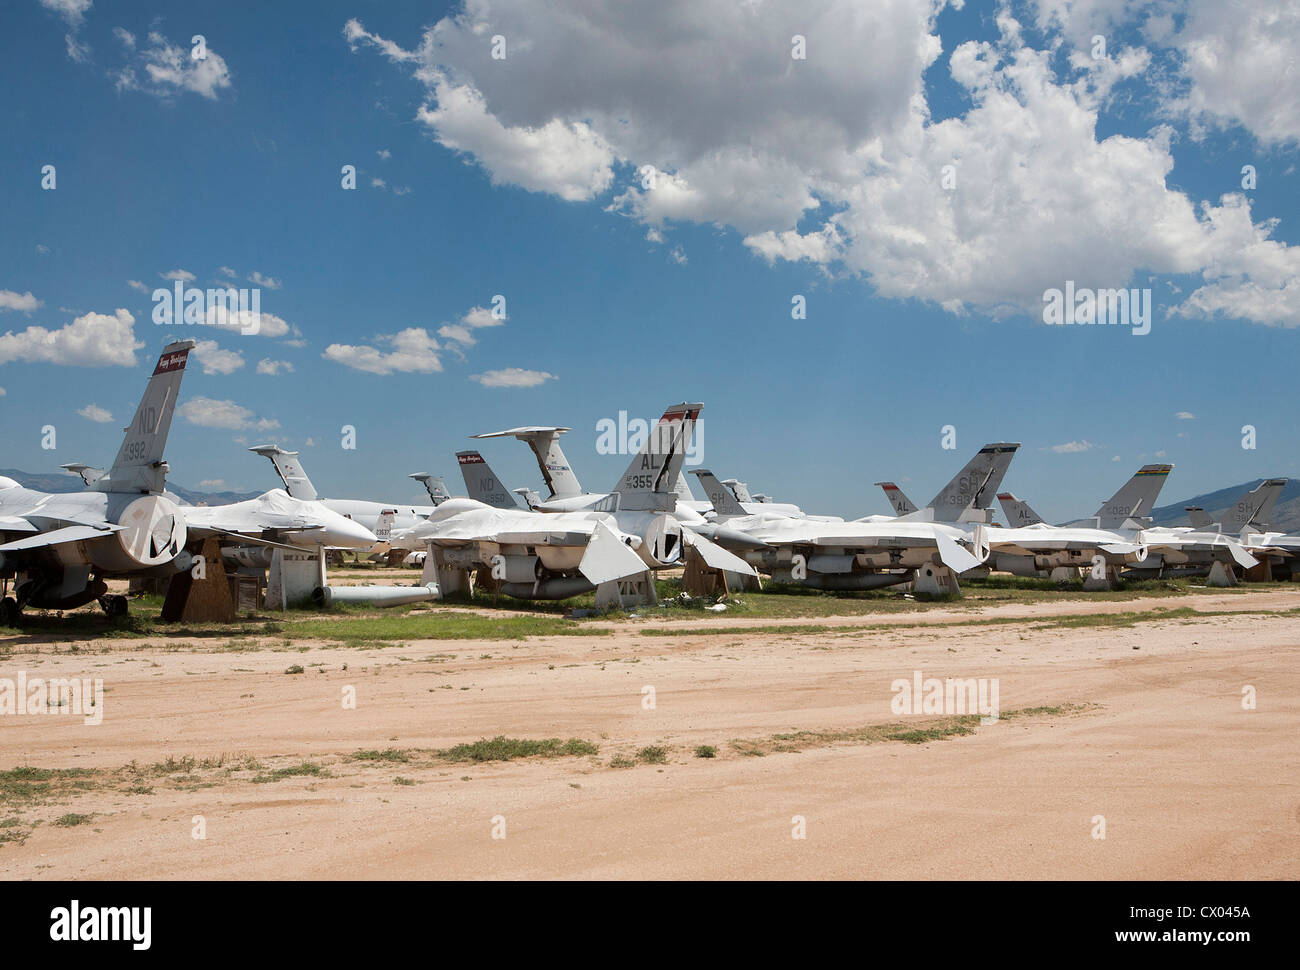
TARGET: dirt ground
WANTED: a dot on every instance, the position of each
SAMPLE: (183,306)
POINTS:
(1140,730)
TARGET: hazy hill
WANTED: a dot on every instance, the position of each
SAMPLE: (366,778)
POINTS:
(65,482)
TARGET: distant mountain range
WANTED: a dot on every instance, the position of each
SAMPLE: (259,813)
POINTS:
(1286,514)
(66,482)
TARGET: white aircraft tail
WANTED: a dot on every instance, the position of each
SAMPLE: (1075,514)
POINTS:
(290,470)
(545,444)
(481,482)
(723,501)
(649,480)
(1135,499)
(434,485)
(739,489)
(139,466)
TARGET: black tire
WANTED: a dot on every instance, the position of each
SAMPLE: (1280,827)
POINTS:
(10,613)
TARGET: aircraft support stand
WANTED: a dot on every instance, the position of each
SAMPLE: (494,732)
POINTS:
(1221,575)
(936,581)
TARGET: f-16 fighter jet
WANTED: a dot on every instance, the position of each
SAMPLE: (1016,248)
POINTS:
(612,549)
(59,548)
(1107,542)
(1214,548)
(965,499)
(851,555)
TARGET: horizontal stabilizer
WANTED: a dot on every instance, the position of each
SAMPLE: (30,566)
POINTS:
(607,558)
(72,533)
(1239,555)
(954,556)
(715,556)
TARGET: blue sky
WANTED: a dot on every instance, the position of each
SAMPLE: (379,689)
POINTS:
(526,185)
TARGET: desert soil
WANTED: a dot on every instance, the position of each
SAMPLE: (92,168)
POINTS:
(1145,728)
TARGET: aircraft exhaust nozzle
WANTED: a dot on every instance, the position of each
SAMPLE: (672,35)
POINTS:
(152,534)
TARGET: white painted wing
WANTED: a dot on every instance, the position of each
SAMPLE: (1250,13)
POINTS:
(715,556)
(607,558)
(72,533)
(15,523)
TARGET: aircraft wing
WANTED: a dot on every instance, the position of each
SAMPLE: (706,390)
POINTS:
(715,556)
(72,533)
(607,558)
(15,523)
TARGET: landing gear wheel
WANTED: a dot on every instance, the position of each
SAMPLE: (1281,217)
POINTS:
(113,605)
(10,611)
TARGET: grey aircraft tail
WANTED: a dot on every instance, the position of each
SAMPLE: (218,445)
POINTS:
(1018,513)
(650,479)
(481,482)
(900,503)
(1135,499)
(976,484)
(1254,509)
(139,466)
(1199,518)
(724,502)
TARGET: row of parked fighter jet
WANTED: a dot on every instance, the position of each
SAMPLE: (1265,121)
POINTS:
(59,548)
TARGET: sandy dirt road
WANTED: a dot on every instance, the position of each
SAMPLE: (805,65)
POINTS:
(1145,728)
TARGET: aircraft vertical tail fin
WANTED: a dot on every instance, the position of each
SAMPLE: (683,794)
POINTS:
(975,486)
(384,525)
(545,444)
(900,503)
(683,489)
(481,482)
(531,498)
(1199,518)
(1255,508)
(724,502)
(290,470)
(1135,499)
(650,479)
(139,466)
(434,485)
(1018,513)
(739,489)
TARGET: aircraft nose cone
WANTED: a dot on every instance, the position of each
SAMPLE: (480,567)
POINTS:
(348,534)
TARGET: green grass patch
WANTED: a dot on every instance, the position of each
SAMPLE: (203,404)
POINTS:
(388,754)
(502,748)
